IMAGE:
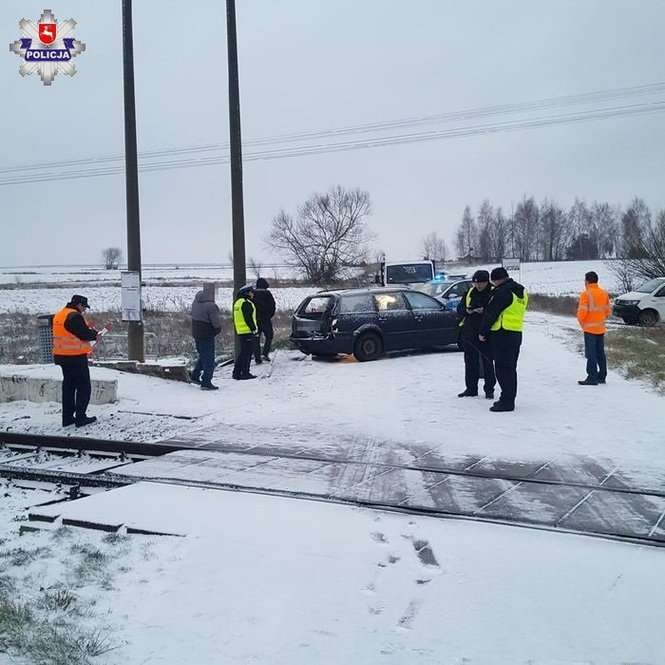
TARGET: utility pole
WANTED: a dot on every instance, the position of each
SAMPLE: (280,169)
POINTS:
(238,215)
(135,334)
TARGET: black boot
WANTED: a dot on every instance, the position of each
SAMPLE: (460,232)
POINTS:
(587,382)
(468,393)
(209,386)
(86,420)
(498,407)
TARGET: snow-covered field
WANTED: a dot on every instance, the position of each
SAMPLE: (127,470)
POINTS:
(107,298)
(559,278)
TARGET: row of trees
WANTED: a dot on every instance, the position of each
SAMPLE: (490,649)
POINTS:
(549,232)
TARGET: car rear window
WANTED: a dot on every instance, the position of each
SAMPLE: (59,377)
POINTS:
(356,303)
(316,307)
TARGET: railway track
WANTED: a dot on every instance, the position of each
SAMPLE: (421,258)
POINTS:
(527,499)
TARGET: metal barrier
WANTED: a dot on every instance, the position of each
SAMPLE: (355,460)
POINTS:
(45,337)
(109,347)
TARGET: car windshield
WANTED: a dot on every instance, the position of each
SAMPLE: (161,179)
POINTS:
(408,273)
(651,285)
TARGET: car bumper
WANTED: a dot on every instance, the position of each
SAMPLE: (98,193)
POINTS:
(316,344)
(626,311)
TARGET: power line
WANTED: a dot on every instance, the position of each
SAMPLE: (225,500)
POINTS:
(478,112)
(345,146)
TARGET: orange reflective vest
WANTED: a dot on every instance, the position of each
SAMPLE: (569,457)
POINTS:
(64,343)
(593,309)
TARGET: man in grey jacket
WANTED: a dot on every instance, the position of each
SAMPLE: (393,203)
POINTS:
(206,325)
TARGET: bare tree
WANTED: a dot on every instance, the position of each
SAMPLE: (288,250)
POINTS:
(434,247)
(328,234)
(256,267)
(635,223)
(112,257)
(648,259)
(466,238)
(525,228)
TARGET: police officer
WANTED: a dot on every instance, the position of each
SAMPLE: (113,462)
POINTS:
(476,353)
(244,322)
(502,324)
(71,348)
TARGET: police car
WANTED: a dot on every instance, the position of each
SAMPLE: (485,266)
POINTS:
(448,290)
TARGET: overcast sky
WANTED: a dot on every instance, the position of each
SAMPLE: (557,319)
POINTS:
(320,64)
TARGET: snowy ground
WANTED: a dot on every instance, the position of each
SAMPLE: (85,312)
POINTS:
(402,402)
(288,582)
(283,581)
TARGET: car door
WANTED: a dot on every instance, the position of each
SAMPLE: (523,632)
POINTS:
(455,293)
(352,311)
(395,319)
(434,325)
(658,302)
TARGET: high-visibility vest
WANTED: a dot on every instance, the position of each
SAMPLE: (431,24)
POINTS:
(64,343)
(593,309)
(468,304)
(512,318)
(239,322)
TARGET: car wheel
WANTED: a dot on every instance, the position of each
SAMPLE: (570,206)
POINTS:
(368,347)
(648,317)
(629,321)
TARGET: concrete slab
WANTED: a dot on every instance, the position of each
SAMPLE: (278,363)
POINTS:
(33,385)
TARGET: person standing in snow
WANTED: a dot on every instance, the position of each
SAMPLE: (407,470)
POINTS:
(592,311)
(206,325)
(502,325)
(265,310)
(476,353)
(72,339)
(246,328)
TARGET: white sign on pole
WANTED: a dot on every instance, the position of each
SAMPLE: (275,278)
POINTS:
(130,300)
(511,265)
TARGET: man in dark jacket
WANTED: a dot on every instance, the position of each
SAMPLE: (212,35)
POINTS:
(72,339)
(206,325)
(265,310)
(476,353)
(245,325)
(502,324)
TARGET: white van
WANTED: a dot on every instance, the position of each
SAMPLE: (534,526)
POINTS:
(645,305)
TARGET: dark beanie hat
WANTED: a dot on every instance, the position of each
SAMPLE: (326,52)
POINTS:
(499,273)
(480,276)
(262,283)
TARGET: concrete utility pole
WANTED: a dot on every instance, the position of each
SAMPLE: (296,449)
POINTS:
(239,275)
(135,339)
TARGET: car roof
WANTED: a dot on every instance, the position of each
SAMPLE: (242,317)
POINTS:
(360,291)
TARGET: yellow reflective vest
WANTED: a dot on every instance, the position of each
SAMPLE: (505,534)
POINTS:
(468,304)
(239,322)
(512,318)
